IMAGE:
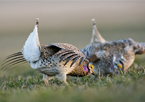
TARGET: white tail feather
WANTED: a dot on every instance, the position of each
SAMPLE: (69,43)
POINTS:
(96,36)
(31,50)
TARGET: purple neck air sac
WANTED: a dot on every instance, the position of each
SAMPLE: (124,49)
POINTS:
(85,69)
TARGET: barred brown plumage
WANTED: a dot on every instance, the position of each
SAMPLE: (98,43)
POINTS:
(57,59)
(111,57)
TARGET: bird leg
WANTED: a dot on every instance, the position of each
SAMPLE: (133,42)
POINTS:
(62,78)
(46,79)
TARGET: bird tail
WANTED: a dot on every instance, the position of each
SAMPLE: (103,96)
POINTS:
(13,60)
(31,49)
(96,36)
(140,48)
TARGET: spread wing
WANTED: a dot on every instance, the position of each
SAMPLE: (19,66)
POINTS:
(68,52)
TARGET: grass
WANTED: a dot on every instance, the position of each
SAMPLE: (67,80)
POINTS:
(30,87)
(115,20)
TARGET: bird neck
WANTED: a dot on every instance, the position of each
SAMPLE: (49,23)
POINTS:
(86,69)
(31,49)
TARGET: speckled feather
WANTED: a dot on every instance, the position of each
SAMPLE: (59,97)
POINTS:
(57,59)
(104,55)
(49,58)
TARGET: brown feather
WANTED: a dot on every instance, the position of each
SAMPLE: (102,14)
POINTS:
(64,57)
(64,53)
(140,48)
(69,47)
(71,58)
(74,61)
(63,50)
(82,59)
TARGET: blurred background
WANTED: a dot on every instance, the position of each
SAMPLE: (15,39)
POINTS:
(69,22)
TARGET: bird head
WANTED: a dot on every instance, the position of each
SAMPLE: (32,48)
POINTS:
(119,64)
(88,68)
(91,67)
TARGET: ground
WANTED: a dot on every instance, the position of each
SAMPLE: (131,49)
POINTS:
(29,87)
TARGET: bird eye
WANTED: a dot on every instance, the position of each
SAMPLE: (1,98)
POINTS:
(119,65)
(91,66)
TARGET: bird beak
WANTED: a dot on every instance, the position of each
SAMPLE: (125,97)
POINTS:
(93,73)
